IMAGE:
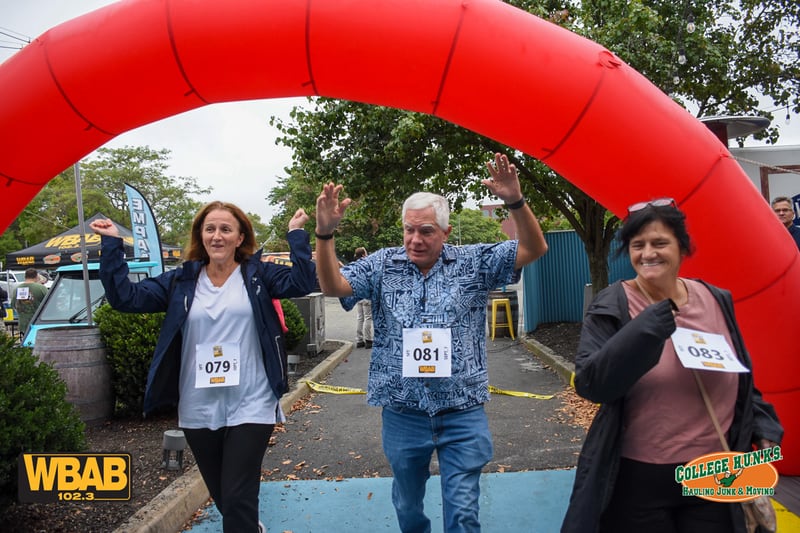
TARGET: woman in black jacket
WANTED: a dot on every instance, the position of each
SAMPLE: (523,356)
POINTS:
(653,417)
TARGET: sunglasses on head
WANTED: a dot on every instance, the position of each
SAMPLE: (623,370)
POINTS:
(658,202)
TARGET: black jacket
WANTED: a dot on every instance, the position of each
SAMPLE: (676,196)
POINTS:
(613,353)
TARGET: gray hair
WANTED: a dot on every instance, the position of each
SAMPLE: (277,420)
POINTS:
(779,199)
(424,200)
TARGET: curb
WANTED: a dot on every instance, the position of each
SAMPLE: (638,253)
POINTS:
(562,367)
(174,505)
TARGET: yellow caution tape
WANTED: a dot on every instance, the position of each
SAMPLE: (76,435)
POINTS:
(331,389)
(319,387)
(495,390)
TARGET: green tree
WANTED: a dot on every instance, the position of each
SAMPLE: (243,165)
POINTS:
(10,241)
(740,53)
(363,226)
(262,231)
(103,176)
(55,209)
(172,198)
(382,155)
(470,226)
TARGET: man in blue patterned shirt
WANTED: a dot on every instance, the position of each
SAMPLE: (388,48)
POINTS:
(428,369)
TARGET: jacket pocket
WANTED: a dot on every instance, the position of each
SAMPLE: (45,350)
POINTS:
(280,348)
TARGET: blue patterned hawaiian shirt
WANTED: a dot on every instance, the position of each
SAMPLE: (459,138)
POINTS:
(453,295)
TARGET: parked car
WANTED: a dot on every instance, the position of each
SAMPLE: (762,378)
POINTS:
(65,303)
(46,279)
(9,280)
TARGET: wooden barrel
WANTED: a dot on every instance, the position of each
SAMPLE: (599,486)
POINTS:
(78,354)
(501,313)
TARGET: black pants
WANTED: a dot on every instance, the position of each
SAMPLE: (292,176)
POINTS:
(648,499)
(229,459)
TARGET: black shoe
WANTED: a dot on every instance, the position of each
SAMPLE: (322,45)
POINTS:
(360,344)
(368,344)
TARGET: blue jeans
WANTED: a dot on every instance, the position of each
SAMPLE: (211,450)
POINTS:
(463,446)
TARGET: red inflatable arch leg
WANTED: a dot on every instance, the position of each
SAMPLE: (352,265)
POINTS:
(578,108)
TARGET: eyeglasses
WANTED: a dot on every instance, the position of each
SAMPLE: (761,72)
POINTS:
(658,202)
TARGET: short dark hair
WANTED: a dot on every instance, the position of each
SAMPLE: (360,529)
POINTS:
(670,216)
(781,199)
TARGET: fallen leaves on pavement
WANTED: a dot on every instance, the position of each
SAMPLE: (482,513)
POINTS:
(576,410)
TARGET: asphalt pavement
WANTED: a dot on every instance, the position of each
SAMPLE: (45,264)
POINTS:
(327,472)
(339,434)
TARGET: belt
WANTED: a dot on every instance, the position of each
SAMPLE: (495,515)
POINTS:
(442,412)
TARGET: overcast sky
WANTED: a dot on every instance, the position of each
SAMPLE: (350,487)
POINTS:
(228,147)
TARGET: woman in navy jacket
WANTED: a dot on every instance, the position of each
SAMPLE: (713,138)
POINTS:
(220,355)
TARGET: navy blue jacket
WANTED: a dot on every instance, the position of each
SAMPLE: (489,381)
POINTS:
(173,292)
(794,231)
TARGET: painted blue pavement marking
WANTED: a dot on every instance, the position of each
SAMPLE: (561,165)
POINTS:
(515,501)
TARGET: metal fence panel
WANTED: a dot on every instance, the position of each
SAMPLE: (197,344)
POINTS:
(553,286)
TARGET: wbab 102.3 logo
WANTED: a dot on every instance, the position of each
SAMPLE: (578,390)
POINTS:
(60,477)
(730,476)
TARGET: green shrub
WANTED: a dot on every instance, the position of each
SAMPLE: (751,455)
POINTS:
(130,340)
(295,323)
(36,417)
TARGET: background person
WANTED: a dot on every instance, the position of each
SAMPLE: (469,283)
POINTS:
(782,206)
(652,416)
(363,313)
(26,299)
(4,303)
(433,293)
(220,354)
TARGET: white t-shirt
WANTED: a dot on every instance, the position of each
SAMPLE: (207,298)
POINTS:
(224,315)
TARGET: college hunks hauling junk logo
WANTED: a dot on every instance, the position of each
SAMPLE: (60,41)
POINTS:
(730,476)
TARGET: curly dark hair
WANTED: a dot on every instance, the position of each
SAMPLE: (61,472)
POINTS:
(670,216)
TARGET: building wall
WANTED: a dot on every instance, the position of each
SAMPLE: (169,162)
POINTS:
(555,286)
(509,228)
(774,170)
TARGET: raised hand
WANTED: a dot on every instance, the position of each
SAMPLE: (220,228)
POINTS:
(504,182)
(299,219)
(104,227)
(330,210)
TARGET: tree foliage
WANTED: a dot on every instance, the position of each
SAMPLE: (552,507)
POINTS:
(172,198)
(741,53)
(55,208)
(471,227)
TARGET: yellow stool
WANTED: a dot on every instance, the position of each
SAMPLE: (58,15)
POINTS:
(507,304)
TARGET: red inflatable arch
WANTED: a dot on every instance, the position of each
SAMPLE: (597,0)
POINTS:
(479,63)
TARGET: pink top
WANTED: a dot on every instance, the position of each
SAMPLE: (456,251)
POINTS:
(665,420)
